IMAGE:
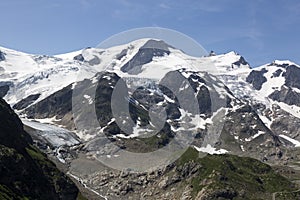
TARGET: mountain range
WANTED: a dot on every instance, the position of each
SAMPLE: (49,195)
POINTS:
(130,105)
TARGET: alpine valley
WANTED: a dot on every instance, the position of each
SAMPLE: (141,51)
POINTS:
(233,130)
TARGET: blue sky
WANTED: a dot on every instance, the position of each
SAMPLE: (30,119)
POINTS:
(260,30)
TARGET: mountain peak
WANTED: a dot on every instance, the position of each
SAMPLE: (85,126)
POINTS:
(282,63)
(156,44)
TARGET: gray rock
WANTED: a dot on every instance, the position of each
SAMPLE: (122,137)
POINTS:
(241,61)
(24,103)
(277,73)
(257,78)
(2,56)
(286,95)
(292,76)
(79,57)
(145,55)
(3,90)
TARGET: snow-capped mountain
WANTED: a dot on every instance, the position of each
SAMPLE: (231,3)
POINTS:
(41,87)
(36,76)
(278,90)
(279,81)
(23,75)
(117,105)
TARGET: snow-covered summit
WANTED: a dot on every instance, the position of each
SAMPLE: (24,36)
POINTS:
(28,74)
(41,75)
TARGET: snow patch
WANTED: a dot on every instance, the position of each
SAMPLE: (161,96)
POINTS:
(210,150)
(254,136)
(295,142)
(90,100)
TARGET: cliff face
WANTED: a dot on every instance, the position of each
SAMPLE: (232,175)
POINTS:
(25,172)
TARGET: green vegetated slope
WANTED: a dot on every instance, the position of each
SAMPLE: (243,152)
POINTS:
(233,177)
(25,172)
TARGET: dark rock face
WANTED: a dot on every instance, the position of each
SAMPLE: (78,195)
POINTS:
(244,124)
(292,76)
(145,55)
(24,103)
(241,61)
(286,95)
(79,57)
(277,73)
(284,122)
(11,128)
(103,97)
(182,89)
(257,78)
(122,54)
(2,56)
(57,104)
(172,109)
(144,97)
(3,90)
(25,172)
(204,100)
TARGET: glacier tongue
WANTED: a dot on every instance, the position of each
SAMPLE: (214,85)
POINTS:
(54,135)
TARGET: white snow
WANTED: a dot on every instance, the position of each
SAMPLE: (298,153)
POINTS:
(254,136)
(59,156)
(168,99)
(107,77)
(266,121)
(292,109)
(258,134)
(37,74)
(210,150)
(295,89)
(33,74)
(70,55)
(194,121)
(272,83)
(242,148)
(295,142)
(281,62)
(90,100)
(84,134)
(135,133)
(47,120)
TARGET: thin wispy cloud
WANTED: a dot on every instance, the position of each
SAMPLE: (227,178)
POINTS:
(164,6)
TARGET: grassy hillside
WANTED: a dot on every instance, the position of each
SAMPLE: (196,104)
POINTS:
(233,177)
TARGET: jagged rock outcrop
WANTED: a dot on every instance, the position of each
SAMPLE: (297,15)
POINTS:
(2,56)
(24,103)
(257,78)
(145,55)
